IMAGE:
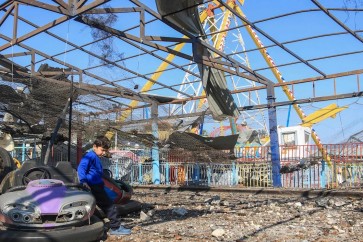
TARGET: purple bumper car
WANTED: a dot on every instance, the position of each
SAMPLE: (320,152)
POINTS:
(49,210)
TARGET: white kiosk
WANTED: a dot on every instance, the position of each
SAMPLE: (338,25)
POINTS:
(294,143)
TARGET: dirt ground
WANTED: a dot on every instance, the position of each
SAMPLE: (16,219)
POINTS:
(171,215)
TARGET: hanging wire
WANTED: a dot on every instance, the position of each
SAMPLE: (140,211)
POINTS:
(138,60)
(66,45)
(12,63)
(341,125)
(340,120)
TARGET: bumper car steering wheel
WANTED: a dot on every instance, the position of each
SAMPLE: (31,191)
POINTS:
(35,174)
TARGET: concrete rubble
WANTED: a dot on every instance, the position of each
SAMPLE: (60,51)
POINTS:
(234,216)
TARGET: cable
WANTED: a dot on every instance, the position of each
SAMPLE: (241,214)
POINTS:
(66,46)
(12,62)
(341,125)
(138,61)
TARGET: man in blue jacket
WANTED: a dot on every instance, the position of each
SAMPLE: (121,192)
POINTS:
(90,173)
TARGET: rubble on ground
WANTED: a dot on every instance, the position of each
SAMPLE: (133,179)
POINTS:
(227,216)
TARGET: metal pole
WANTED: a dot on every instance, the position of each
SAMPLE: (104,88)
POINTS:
(116,140)
(155,149)
(23,151)
(55,131)
(288,116)
(34,156)
(70,122)
(275,154)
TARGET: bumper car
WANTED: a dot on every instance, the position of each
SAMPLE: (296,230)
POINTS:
(49,210)
(60,184)
(120,193)
(6,163)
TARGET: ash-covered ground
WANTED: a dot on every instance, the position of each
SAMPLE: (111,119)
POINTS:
(171,215)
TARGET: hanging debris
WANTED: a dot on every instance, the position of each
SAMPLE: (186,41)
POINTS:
(104,41)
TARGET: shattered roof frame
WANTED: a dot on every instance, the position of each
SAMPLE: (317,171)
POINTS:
(117,71)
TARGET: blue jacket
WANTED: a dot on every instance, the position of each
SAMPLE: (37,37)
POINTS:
(90,169)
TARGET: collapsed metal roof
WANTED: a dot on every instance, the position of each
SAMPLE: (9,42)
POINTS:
(113,52)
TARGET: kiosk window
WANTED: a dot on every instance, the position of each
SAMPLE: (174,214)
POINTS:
(289,139)
(307,136)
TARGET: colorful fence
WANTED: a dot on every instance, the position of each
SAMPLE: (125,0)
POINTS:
(302,167)
(252,168)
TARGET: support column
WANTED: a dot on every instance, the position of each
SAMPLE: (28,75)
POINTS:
(141,180)
(234,174)
(274,140)
(79,147)
(34,154)
(79,150)
(23,151)
(155,149)
(167,173)
(232,122)
(209,175)
(196,173)
(323,174)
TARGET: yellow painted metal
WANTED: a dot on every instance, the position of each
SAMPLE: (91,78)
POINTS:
(125,114)
(17,162)
(219,42)
(193,130)
(109,135)
(232,4)
(157,74)
(159,71)
(279,78)
(221,133)
(204,16)
(221,39)
(329,111)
